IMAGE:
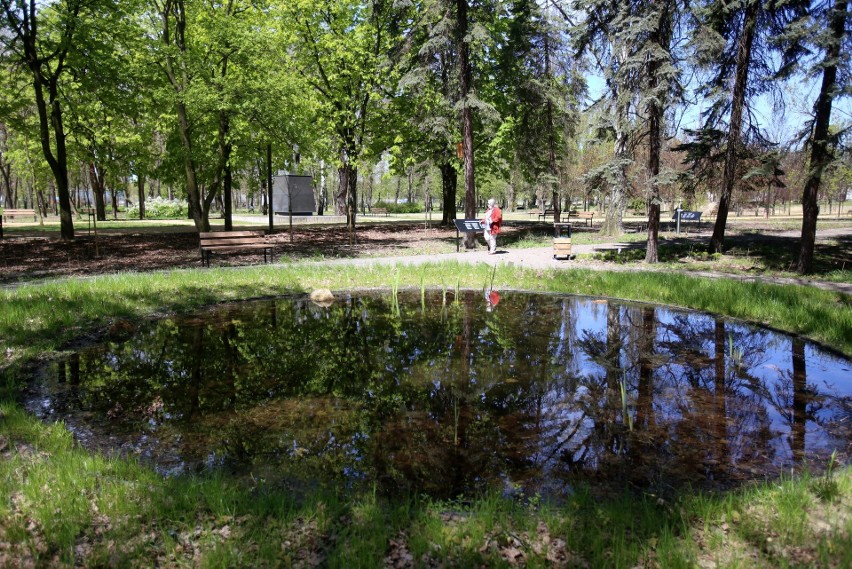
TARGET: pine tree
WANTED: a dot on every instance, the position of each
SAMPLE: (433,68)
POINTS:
(827,33)
(632,43)
(540,91)
(733,39)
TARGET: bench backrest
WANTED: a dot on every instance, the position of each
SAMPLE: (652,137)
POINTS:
(211,238)
(586,214)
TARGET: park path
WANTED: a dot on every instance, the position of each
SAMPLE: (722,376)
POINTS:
(541,258)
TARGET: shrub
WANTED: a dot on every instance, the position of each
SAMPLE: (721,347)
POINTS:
(160,208)
(413,207)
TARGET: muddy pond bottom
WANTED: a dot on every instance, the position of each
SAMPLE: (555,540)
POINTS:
(524,393)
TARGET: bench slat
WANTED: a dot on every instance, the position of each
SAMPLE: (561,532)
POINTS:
(238,241)
(228,234)
(230,248)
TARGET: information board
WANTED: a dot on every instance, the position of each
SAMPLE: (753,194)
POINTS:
(468,225)
(299,189)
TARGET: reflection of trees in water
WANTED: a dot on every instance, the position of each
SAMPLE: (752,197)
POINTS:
(432,403)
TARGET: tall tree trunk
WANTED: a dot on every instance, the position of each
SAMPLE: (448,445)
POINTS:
(613,223)
(6,169)
(343,174)
(321,198)
(20,27)
(268,195)
(352,202)
(346,199)
(735,128)
(551,139)
(261,175)
(141,195)
(466,81)
(58,160)
(449,183)
(821,155)
(225,148)
(180,83)
(227,186)
(114,202)
(202,222)
(661,37)
(96,178)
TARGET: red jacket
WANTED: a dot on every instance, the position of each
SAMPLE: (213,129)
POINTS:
(496,220)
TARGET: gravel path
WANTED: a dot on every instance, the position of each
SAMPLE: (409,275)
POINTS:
(542,258)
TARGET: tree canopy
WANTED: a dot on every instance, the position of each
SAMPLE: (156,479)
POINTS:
(561,104)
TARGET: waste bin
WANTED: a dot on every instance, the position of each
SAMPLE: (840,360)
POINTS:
(561,240)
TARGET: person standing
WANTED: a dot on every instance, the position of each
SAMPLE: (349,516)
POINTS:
(491,225)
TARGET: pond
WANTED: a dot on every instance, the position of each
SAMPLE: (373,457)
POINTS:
(524,393)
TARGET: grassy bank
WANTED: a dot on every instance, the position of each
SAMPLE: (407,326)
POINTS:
(37,318)
(63,506)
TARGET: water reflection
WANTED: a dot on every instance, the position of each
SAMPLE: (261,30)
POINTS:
(533,395)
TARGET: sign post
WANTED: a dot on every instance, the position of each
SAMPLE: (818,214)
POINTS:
(466,226)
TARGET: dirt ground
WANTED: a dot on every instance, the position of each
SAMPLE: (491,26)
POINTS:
(24,256)
(27,255)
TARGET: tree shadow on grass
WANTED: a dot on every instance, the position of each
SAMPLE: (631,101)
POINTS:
(761,252)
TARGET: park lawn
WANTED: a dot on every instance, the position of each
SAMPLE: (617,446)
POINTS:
(64,506)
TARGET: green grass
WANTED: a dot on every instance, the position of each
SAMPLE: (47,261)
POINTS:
(37,318)
(61,505)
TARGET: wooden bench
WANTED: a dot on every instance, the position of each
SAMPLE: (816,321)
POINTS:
(233,242)
(543,215)
(588,216)
(379,211)
(12,213)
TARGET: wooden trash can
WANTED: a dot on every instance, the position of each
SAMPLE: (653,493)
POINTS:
(561,240)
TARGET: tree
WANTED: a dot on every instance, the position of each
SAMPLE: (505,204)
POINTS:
(175,62)
(465,71)
(829,36)
(734,41)
(606,34)
(744,46)
(340,49)
(540,89)
(38,39)
(661,80)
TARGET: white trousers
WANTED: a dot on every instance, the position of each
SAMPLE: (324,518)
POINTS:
(491,240)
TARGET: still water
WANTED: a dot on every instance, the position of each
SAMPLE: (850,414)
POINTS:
(533,394)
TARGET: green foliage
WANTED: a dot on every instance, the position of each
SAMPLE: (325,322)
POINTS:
(404,207)
(160,208)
